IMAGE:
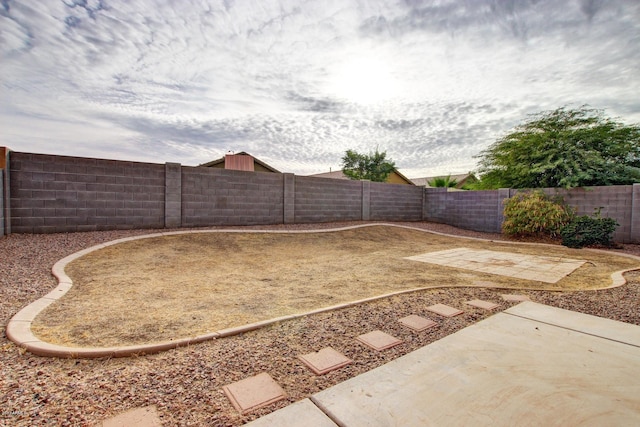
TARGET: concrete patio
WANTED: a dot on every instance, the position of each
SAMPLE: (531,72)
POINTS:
(529,365)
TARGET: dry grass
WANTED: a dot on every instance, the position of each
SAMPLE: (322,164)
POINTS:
(185,285)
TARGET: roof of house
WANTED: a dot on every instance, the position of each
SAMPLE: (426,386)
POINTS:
(394,178)
(234,161)
(333,174)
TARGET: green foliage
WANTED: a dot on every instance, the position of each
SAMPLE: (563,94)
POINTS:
(443,181)
(563,148)
(533,214)
(373,166)
(587,231)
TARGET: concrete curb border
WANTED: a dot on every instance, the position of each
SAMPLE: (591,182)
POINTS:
(19,331)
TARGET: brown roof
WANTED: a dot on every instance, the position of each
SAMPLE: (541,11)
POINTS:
(239,161)
(340,175)
(333,175)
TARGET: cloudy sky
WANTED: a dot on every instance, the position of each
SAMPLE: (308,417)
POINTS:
(297,82)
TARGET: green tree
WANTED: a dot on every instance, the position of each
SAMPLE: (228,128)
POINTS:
(443,181)
(373,166)
(563,148)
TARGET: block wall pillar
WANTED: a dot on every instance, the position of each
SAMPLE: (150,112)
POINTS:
(5,195)
(289,199)
(173,195)
(1,202)
(503,195)
(634,234)
(366,200)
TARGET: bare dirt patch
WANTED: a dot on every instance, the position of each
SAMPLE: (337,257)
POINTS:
(178,286)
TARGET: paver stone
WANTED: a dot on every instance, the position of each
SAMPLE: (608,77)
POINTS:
(325,360)
(253,392)
(417,323)
(487,305)
(378,340)
(444,310)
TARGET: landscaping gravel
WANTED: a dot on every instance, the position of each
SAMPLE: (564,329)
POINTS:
(185,384)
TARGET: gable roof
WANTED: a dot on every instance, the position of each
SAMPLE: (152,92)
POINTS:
(236,162)
(395,177)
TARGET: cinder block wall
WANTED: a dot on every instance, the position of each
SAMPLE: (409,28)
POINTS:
(212,196)
(471,210)
(62,194)
(395,202)
(615,201)
(325,200)
(482,210)
(2,232)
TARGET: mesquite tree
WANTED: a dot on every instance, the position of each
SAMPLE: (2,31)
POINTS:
(563,148)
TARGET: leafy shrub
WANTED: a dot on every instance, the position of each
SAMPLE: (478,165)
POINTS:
(587,231)
(534,214)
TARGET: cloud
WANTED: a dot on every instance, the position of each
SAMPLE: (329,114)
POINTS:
(297,83)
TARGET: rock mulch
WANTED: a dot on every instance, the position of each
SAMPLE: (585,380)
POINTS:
(185,385)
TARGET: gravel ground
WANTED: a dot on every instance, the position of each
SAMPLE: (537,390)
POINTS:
(185,384)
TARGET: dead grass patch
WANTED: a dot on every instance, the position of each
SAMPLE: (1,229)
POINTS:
(178,286)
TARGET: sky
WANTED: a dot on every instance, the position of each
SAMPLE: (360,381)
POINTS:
(297,83)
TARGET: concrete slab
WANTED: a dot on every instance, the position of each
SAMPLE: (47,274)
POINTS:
(378,340)
(505,370)
(139,417)
(585,323)
(444,310)
(417,323)
(325,360)
(303,412)
(253,392)
(522,266)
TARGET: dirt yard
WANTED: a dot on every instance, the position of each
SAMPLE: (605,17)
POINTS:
(177,286)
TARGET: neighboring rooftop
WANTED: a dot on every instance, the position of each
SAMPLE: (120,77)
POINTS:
(242,161)
(394,177)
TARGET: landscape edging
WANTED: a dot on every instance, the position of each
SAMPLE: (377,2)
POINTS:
(19,331)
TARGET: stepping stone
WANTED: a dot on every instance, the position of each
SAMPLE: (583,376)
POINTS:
(509,297)
(378,340)
(487,305)
(417,323)
(444,310)
(139,417)
(325,360)
(253,392)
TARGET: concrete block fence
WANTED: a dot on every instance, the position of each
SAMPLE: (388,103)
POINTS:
(48,193)
(2,230)
(482,210)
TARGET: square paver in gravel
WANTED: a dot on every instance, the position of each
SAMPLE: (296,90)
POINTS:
(487,305)
(522,266)
(444,310)
(325,360)
(253,392)
(513,297)
(417,323)
(139,417)
(378,340)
